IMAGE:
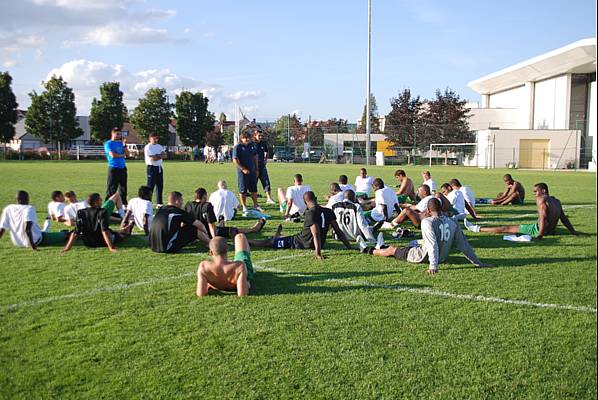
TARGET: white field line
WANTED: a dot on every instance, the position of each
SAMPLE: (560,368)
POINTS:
(399,288)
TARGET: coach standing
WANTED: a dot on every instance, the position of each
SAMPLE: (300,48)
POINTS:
(261,147)
(116,152)
(154,153)
(245,159)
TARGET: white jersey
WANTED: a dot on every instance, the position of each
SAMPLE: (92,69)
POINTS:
(422,206)
(14,219)
(153,150)
(70,211)
(468,195)
(56,209)
(351,221)
(364,185)
(385,196)
(335,198)
(140,208)
(225,203)
(457,201)
(295,193)
(346,187)
(431,184)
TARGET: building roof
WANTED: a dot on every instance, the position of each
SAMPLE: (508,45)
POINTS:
(577,58)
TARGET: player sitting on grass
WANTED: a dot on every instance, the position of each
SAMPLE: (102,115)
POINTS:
(174,228)
(514,193)
(92,224)
(427,177)
(457,201)
(550,211)
(406,192)
(224,201)
(20,220)
(343,183)
(292,205)
(203,211)
(415,213)
(318,221)
(336,195)
(363,184)
(440,234)
(350,219)
(56,206)
(70,211)
(385,203)
(140,210)
(467,195)
(222,274)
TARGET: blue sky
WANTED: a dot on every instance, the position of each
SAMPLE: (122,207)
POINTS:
(278,57)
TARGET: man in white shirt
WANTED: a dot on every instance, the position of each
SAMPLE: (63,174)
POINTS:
(224,201)
(336,195)
(154,153)
(344,185)
(292,205)
(429,181)
(468,196)
(56,206)
(415,213)
(363,184)
(140,210)
(70,211)
(20,220)
(385,201)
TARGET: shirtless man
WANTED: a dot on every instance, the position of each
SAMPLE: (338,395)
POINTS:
(550,212)
(406,188)
(514,193)
(222,274)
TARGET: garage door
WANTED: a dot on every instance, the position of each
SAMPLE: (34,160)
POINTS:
(534,153)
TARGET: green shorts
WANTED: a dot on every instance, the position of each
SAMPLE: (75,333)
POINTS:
(50,238)
(109,206)
(284,207)
(246,258)
(361,194)
(402,198)
(529,229)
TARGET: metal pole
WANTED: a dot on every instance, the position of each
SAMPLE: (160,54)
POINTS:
(368,127)
(288,130)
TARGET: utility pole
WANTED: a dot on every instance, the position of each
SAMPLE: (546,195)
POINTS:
(368,127)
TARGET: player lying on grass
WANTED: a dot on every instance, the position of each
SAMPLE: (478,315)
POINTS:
(550,211)
(20,220)
(93,221)
(350,219)
(70,211)
(514,193)
(318,221)
(139,210)
(406,192)
(292,205)
(203,211)
(440,234)
(174,228)
(222,274)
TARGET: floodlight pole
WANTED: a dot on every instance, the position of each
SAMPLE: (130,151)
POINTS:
(368,127)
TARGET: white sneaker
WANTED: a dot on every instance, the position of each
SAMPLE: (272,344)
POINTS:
(270,201)
(47,224)
(387,225)
(471,227)
(380,241)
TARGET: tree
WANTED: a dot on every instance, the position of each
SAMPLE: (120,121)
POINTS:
(288,130)
(8,108)
(445,121)
(52,115)
(334,125)
(374,117)
(108,112)
(404,119)
(152,115)
(194,120)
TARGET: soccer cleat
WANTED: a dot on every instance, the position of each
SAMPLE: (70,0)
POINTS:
(380,241)
(398,233)
(47,224)
(471,227)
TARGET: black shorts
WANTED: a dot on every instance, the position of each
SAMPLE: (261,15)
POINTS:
(401,253)
(285,242)
(247,183)
(187,235)
(225,231)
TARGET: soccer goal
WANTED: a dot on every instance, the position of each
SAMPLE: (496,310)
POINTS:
(465,154)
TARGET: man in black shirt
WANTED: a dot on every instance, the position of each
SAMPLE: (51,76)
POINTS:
(262,159)
(318,221)
(203,211)
(92,224)
(174,228)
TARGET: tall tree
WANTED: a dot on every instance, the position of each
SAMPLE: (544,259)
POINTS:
(8,108)
(52,115)
(288,129)
(334,125)
(152,115)
(108,112)
(403,120)
(374,117)
(445,120)
(194,120)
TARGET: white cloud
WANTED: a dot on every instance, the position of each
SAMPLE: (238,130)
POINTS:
(85,77)
(9,63)
(118,35)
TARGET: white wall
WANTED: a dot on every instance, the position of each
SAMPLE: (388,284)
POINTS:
(503,118)
(592,124)
(551,103)
(512,98)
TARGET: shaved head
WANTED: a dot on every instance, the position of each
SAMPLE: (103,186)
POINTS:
(218,246)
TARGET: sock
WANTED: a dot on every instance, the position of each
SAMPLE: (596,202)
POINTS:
(47,224)
(471,227)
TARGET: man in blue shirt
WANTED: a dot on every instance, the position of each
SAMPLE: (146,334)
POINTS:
(245,159)
(262,158)
(116,152)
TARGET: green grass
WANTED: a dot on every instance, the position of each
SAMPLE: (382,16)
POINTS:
(311,329)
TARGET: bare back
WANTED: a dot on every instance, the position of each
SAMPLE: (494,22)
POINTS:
(552,214)
(407,188)
(222,276)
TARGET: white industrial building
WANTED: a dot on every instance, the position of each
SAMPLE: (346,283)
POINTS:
(540,113)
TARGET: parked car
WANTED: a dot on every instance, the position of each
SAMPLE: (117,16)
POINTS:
(282,156)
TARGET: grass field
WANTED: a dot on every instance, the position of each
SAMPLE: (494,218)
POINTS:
(128,325)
